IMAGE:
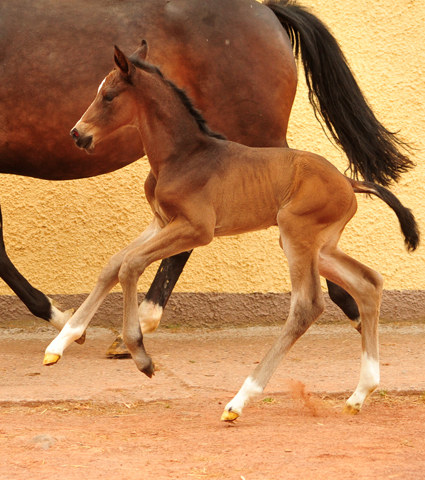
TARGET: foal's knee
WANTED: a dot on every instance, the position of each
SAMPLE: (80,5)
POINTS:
(109,273)
(374,285)
(377,281)
(129,271)
(370,293)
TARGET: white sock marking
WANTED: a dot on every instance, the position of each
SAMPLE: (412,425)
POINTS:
(66,336)
(150,315)
(369,380)
(249,389)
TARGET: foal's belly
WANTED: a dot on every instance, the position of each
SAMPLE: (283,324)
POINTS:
(238,215)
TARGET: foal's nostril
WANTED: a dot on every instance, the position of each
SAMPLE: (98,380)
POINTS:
(74,134)
(80,139)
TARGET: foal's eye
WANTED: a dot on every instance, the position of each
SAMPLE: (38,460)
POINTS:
(108,97)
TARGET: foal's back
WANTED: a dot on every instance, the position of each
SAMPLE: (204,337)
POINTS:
(253,184)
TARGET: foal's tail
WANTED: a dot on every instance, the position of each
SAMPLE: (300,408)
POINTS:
(373,151)
(408,224)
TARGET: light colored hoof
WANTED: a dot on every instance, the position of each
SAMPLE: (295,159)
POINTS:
(82,339)
(350,410)
(118,349)
(51,359)
(229,416)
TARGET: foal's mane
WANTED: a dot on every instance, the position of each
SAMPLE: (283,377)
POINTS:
(181,94)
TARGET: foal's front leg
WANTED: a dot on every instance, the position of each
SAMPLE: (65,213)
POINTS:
(178,236)
(152,306)
(108,278)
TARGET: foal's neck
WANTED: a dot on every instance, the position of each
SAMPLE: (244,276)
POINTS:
(169,131)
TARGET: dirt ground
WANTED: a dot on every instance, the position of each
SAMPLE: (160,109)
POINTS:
(93,417)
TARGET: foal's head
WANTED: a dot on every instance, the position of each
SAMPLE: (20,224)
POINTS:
(114,106)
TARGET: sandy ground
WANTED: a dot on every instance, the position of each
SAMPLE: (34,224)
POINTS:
(94,417)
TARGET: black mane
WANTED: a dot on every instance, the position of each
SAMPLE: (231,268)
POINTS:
(196,114)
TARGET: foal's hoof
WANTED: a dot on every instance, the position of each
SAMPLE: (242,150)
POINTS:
(82,339)
(118,349)
(51,359)
(350,410)
(149,370)
(229,416)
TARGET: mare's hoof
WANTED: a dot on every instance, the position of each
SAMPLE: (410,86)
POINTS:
(229,416)
(118,349)
(350,410)
(51,359)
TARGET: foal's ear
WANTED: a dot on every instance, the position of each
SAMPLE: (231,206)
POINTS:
(123,63)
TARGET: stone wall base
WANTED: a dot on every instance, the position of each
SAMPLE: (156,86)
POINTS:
(217,310)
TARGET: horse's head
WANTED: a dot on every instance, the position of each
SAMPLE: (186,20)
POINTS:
(113,107)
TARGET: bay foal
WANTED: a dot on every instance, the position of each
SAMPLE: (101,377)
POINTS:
(201,186)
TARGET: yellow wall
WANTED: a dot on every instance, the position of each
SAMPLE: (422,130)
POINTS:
(60,234)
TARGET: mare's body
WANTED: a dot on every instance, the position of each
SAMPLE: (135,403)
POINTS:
(201,186)
(45,85)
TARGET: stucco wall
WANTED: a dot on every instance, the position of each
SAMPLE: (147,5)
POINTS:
(60,234)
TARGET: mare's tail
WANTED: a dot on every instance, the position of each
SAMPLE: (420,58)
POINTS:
(372,150)
(408,224)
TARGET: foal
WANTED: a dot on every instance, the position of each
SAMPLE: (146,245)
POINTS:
(201,186)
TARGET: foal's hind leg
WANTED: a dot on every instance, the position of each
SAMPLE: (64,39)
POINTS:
(365,286)
(307,305)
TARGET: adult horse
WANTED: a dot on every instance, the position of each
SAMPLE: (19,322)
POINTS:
(232,56)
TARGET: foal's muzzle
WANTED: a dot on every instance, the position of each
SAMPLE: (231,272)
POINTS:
(81,140)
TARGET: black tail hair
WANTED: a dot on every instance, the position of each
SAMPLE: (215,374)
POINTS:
(373,151)
(408,224)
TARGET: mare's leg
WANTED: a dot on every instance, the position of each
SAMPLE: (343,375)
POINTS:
(150,310)
(365,285)
(299,242)
(178,236)
(37,303)
(108,278)
(346,303)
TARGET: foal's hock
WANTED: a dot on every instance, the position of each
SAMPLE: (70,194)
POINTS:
(201,186)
